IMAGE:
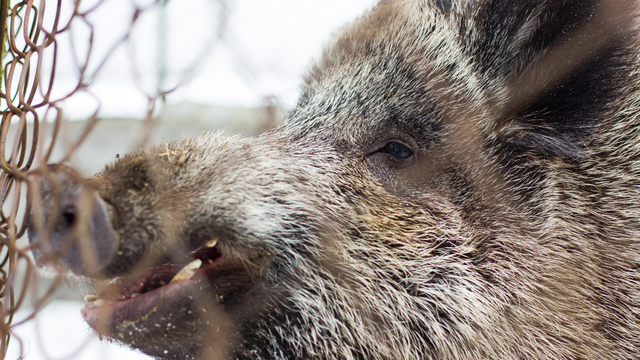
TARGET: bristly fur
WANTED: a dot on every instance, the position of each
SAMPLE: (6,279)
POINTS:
(509,230)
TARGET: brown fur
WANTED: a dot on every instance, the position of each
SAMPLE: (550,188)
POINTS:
(459,180)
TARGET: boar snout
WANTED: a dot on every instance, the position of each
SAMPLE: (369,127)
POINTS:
(69,226)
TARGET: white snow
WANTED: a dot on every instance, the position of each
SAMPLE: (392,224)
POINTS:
(59,332)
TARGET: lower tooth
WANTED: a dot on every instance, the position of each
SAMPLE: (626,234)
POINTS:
(103,302)
(187,272)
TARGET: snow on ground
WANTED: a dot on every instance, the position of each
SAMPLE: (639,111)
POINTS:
(59,332)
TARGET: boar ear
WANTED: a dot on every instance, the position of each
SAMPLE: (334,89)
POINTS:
(562,66)
(510,35)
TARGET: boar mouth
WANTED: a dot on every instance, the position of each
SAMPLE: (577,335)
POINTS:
(138,293)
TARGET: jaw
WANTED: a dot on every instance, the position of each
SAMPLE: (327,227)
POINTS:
(167,324)
(193,316)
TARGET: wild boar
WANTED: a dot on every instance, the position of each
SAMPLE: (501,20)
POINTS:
(459,180)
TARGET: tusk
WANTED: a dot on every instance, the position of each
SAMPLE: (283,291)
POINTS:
(211,243)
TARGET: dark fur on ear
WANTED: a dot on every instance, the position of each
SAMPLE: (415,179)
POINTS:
(562,63)
(444,5)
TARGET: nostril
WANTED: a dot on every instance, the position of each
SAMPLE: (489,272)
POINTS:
(69,217)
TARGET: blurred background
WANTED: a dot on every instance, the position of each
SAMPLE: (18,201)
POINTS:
(131,73)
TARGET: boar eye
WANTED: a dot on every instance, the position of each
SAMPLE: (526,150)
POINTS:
(393,153)
(398,150)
